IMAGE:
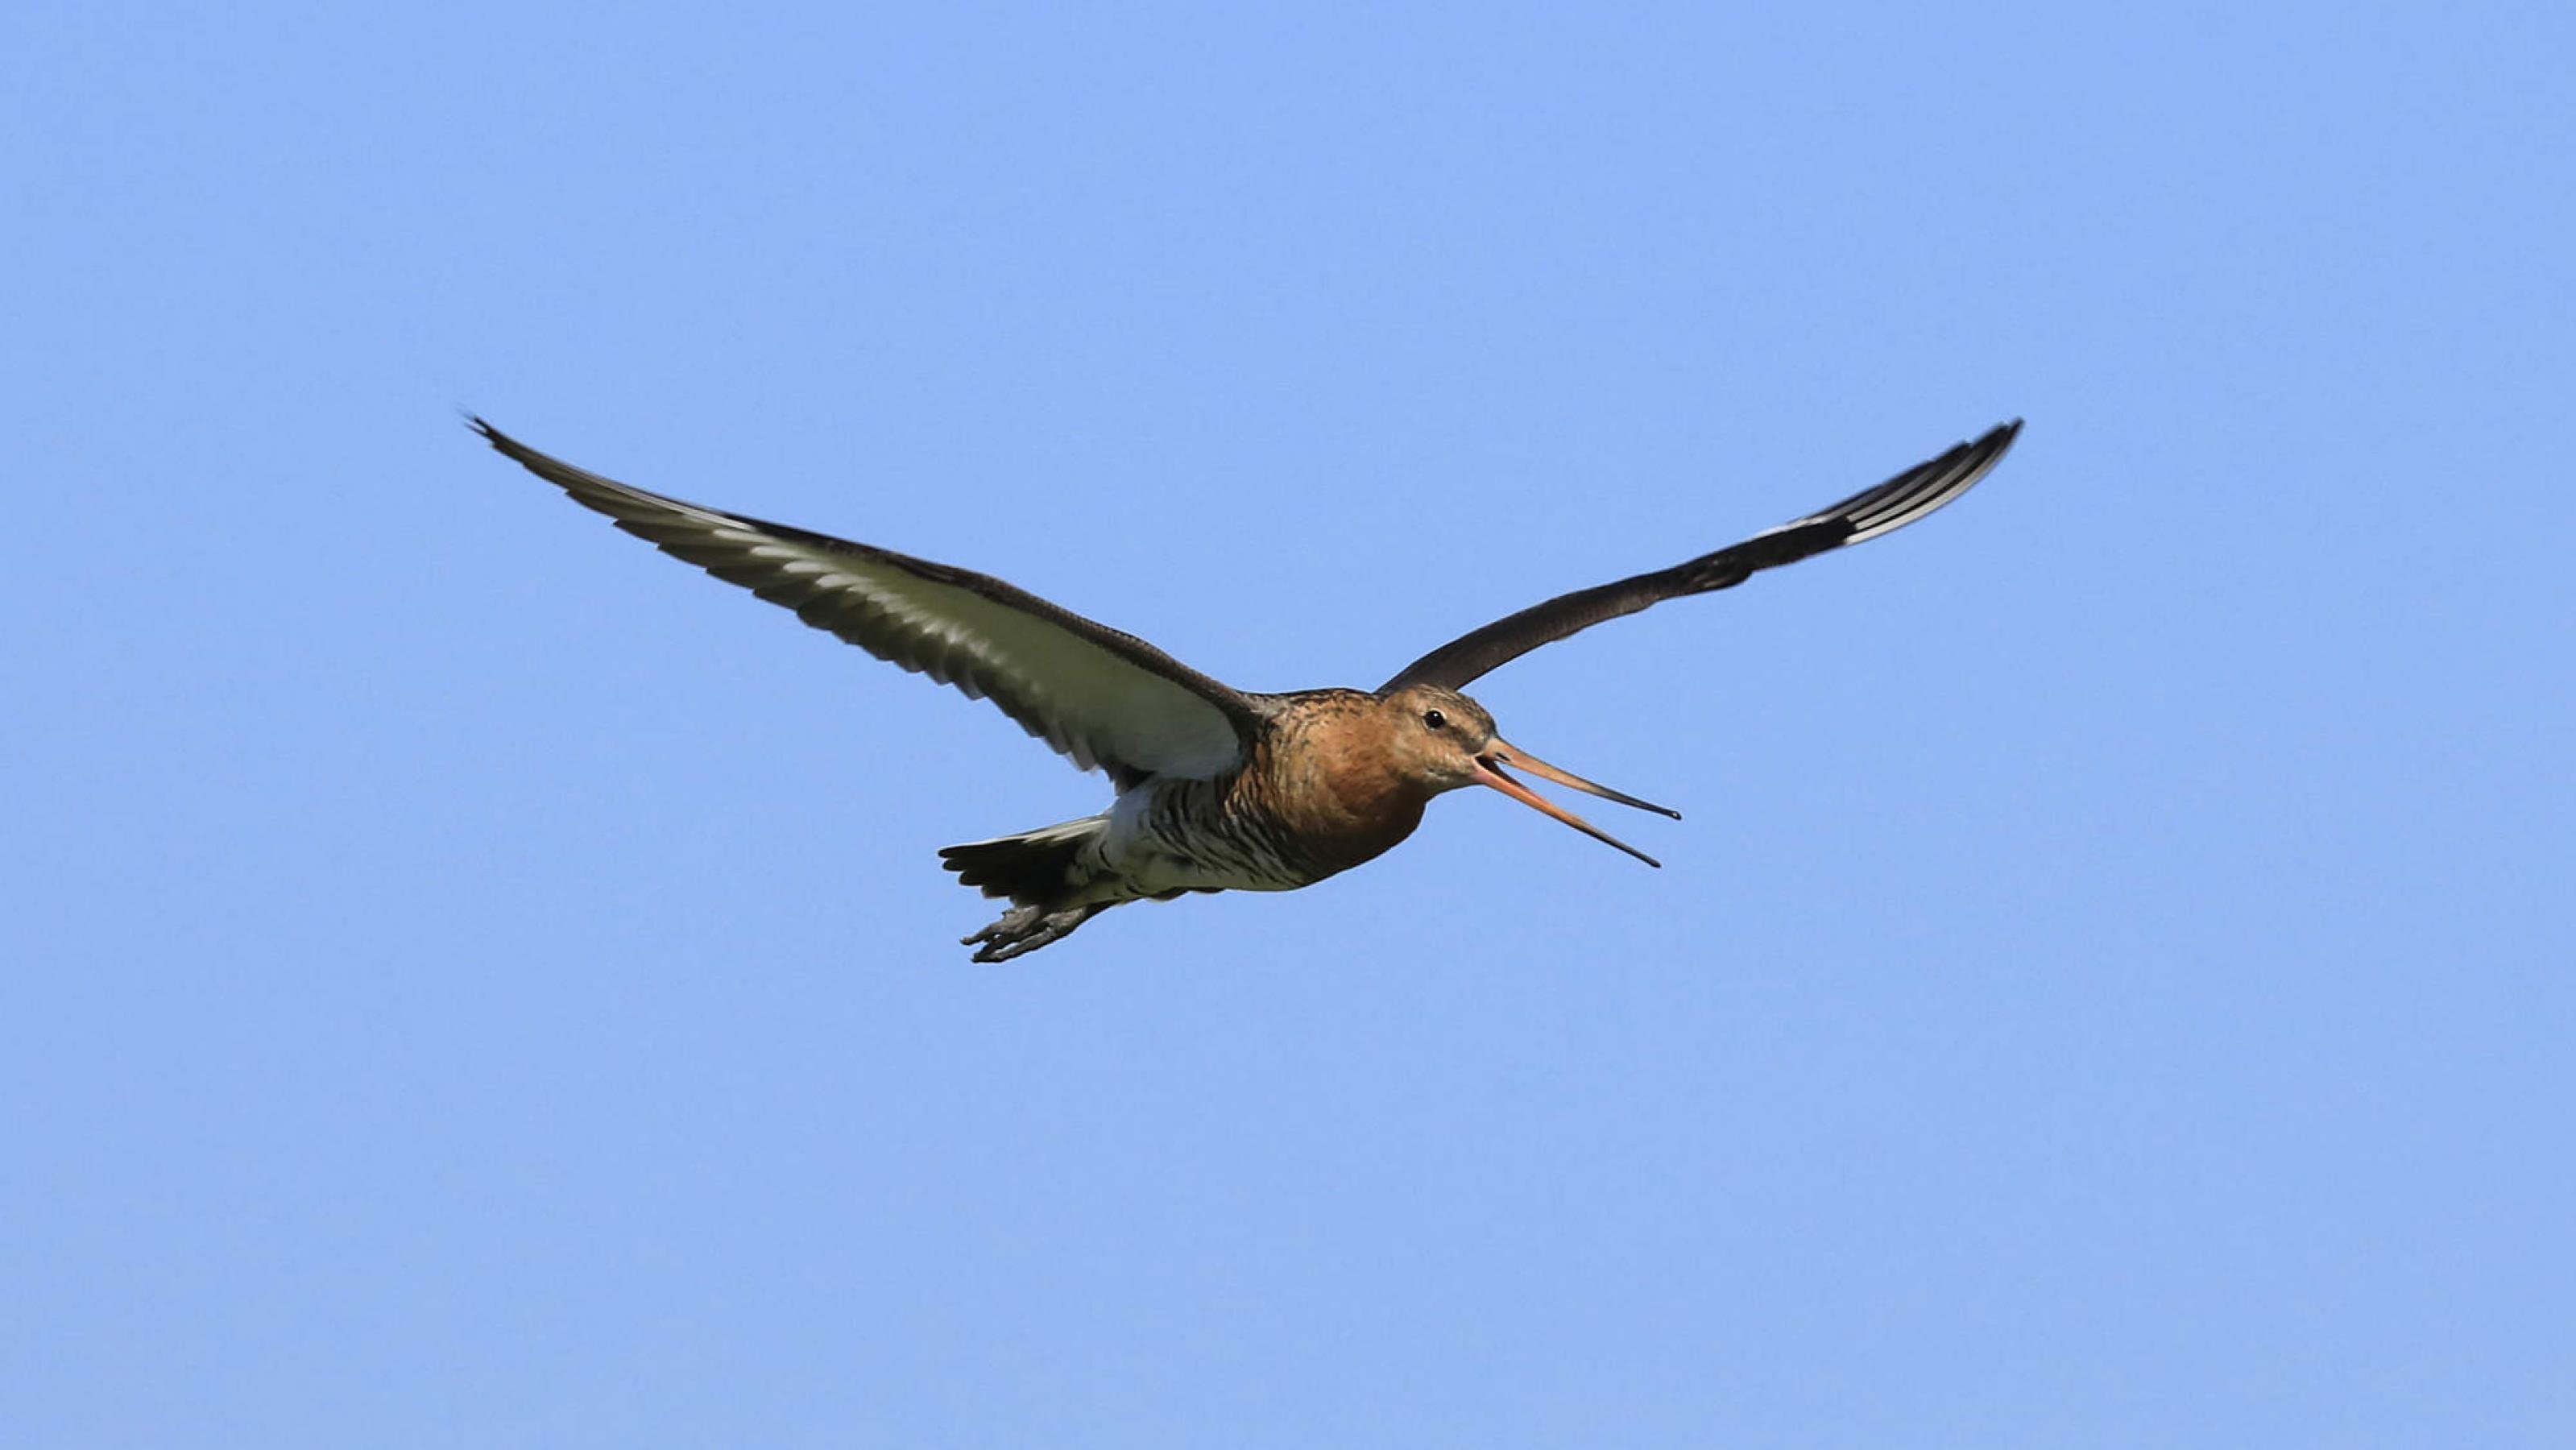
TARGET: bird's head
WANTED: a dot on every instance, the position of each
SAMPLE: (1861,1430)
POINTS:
(1446,740)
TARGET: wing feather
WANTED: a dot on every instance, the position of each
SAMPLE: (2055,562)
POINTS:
(1865,515)
(1102,697)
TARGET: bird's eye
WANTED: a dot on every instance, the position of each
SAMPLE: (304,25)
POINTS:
(1435,719)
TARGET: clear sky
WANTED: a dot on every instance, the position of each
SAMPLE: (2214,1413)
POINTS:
(473,981)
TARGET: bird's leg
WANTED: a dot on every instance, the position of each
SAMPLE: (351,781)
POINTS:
(1027,928)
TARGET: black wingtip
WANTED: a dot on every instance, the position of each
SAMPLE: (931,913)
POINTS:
(1991,442)
(514,450)
(1998,441)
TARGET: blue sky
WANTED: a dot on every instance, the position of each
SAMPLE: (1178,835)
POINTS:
(472,981)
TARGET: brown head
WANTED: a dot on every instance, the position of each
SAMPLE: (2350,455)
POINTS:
(1445,740)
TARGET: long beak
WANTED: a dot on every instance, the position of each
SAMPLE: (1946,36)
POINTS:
(1498,754)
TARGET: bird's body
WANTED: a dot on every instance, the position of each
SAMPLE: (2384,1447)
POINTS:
(1217,789)
(1316,795)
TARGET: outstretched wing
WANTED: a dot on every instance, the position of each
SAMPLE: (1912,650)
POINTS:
(1865,515)
(1104,698)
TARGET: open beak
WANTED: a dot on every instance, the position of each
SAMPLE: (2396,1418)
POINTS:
(1497,754)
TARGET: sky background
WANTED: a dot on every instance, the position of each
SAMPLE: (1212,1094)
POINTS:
(473,981)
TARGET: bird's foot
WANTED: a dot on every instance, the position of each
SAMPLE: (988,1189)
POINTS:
(1027,928)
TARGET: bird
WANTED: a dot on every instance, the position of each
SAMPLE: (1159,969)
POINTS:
(1215,788)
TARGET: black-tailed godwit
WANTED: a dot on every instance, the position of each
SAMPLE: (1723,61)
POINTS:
(1218,789)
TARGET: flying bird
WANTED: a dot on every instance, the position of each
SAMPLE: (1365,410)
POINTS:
(1218,789)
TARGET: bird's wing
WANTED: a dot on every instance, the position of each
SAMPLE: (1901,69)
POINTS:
(1102,697)
(1865,515)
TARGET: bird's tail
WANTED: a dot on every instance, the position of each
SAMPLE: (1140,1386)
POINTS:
(1032,867)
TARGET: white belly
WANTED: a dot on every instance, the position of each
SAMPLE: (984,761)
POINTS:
(1150,865)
